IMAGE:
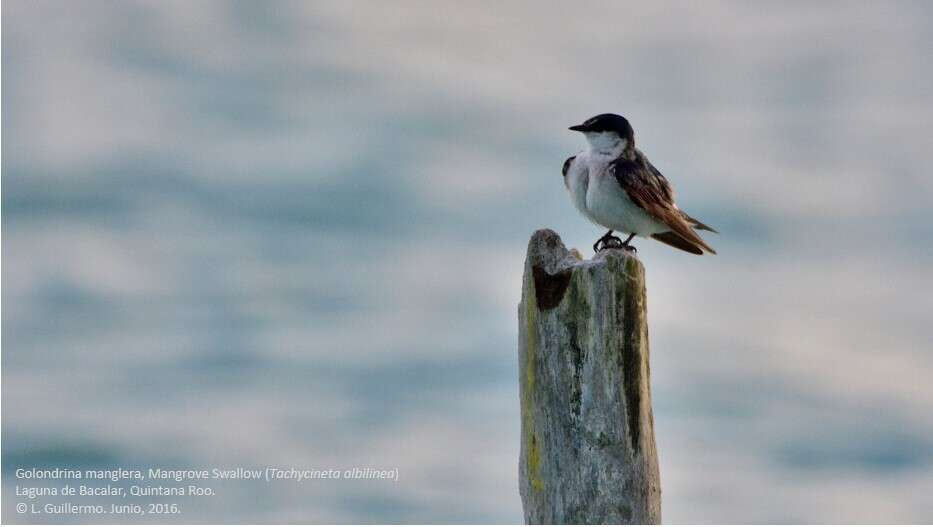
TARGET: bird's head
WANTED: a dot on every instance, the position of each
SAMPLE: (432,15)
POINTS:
(607,133)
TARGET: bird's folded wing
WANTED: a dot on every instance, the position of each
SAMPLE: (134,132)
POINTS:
(649,189)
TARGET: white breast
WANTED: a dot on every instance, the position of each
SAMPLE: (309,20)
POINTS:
(598,196)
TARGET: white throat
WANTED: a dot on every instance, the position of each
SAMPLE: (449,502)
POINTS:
(606,143)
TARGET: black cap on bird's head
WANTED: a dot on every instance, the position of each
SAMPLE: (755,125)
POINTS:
(607,122)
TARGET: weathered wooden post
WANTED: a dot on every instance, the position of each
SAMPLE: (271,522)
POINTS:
(587,450)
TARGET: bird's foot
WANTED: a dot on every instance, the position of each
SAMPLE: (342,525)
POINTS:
(608,242)
(613,242)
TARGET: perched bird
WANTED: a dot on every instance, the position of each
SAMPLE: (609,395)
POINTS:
(614,185)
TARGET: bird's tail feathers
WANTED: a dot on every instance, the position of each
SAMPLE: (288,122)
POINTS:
(675,240)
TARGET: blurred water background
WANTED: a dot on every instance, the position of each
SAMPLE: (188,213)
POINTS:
(292,234)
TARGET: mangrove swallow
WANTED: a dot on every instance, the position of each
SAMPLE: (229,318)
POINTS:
(614,185)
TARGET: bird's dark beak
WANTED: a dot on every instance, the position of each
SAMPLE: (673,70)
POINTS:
(578,128)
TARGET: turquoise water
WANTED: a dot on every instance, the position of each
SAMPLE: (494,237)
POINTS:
(289,234)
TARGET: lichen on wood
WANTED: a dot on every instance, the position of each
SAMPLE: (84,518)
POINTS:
(587,448)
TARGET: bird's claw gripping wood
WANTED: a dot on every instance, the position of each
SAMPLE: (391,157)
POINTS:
(608,241)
